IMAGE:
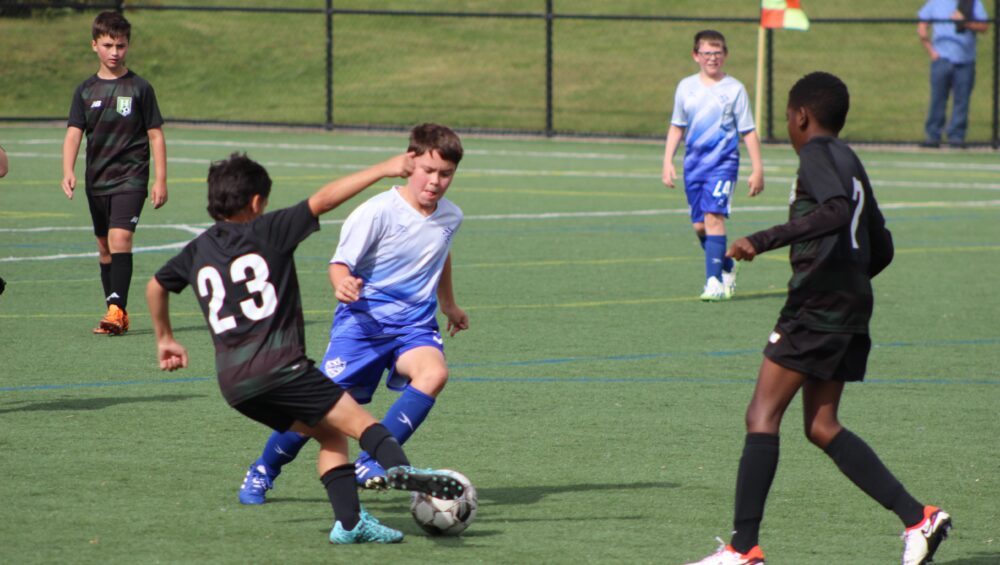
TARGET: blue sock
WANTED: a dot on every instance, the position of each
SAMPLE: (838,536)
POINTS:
(405,415)
(728,264)
(715,253)
(281,448)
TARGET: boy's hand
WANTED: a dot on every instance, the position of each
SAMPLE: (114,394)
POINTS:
(458,320)
(172,355)
(159,194)
(669,174)
(349,289)
(756,183)
(68,184)
(742,250)
(400,165)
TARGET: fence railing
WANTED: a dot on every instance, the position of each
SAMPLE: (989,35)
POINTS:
(546,72)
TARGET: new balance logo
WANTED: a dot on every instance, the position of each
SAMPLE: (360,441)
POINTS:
(775,336)
(95,104)
(135,219)
(437,339)
(406,420)
(112,295)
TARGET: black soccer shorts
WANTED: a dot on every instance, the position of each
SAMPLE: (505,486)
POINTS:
(306,399)
(119,210)
(822,355)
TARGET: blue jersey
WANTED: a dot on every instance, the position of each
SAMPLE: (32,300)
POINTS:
(399,255)
(713,117)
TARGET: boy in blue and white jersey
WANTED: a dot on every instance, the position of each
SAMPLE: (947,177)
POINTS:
(711,112)
(390,271)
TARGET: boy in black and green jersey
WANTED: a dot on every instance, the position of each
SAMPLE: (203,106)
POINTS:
(242,270)
(117,109)
(838,243)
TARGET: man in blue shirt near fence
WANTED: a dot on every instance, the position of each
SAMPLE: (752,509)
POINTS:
(953,64)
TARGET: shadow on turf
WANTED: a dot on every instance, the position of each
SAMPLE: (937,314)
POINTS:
(980,559)
(77,404)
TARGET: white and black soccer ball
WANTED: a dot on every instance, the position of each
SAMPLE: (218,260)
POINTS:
(446,517)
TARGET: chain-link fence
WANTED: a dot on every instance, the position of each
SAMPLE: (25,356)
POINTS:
(524,66)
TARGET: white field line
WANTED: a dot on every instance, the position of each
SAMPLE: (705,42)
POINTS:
(772,180)
(390,150)
(195,230)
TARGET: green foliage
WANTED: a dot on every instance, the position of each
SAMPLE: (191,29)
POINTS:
(610,76)
(595,402)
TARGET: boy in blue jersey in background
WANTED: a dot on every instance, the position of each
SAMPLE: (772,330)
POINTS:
(711,112)
(391,269)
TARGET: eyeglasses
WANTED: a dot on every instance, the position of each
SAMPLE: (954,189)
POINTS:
(712,54)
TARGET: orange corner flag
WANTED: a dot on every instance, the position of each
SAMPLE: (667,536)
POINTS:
(783,14)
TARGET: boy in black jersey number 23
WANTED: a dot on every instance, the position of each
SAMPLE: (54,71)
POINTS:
(243,273)
(839,242)
(117,110)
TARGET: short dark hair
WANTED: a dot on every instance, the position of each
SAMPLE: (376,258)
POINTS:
(825,96)
(433,137)
(233,182)
(113,25)
(711,36)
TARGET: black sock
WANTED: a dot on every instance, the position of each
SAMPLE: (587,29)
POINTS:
(859,462)
(380,444)
(342,491)
(753,481)
(121,279)
(106,280)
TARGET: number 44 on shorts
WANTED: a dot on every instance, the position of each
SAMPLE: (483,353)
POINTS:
(722,188)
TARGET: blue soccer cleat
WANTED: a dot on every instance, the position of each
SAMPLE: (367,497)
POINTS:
(369,474)
(438,484)
(367,530)
(255,485)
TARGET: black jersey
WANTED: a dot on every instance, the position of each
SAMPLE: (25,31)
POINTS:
(244,277)
(116,114)
(830,289)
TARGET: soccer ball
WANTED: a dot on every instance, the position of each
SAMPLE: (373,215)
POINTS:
(446,517)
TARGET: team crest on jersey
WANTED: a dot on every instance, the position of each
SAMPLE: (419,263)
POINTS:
(448,233)
(334,367)
(124,105)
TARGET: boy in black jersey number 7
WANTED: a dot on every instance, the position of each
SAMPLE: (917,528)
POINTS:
(839,242)
(243,273)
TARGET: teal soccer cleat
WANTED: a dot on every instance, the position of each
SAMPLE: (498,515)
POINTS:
(367,530)
(438,484)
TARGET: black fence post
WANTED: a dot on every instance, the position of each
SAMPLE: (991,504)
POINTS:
(549,130)
(120,6)
(769,63)
(996,74)
(329,64)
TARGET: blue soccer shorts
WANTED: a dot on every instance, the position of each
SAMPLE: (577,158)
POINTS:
(357,364)
(709,197)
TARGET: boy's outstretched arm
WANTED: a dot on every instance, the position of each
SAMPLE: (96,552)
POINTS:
(674,135)
(158,145)
(341,190)
(71,146)
(756,180)
(458,320)
(830,216)
(171,354)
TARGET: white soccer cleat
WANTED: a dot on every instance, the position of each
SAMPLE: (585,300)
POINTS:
(921,541)
(726,555)
(729,281)
(714,291)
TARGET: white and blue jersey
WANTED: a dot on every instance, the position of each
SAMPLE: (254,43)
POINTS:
(399,255)
(714,117)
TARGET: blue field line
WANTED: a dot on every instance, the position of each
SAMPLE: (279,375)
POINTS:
(104,384)
(601,379)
